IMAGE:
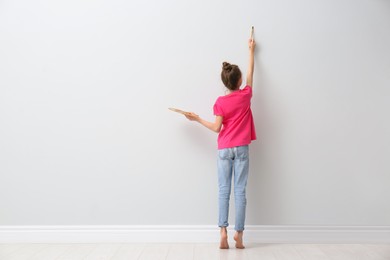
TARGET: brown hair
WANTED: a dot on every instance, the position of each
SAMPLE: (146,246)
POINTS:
(230,75)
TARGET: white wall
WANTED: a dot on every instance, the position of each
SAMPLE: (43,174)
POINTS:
(86,137)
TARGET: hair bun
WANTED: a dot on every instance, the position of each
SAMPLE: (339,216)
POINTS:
(226,66)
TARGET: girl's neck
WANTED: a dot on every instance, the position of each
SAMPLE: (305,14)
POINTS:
(228,91)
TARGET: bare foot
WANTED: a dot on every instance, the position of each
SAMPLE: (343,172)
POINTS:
(238,239)
(224,239)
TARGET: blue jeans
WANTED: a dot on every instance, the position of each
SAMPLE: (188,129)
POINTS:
(233,162)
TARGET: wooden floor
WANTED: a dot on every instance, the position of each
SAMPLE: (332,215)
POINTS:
(194,251)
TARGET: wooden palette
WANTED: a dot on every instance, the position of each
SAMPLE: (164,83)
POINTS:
(179,111)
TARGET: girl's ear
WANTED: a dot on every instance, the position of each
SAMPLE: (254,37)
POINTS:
(239,83)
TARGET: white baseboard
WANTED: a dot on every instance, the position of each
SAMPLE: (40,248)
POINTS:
(192,234)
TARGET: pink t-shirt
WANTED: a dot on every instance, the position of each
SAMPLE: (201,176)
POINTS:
(238,127)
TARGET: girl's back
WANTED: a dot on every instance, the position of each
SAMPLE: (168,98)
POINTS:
(238,126)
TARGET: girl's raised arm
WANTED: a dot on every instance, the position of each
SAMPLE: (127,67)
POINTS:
(249,75)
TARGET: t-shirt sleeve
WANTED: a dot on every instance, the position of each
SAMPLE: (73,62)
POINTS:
(248,90)
(217,109)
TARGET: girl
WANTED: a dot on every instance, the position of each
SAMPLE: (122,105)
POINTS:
(234,123)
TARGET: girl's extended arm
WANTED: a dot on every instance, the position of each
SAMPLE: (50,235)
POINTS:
(249,75)
(215,127)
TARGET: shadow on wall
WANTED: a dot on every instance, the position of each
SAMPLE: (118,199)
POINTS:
(263,191)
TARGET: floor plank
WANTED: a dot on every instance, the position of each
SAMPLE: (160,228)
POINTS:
(207,251)
(77,251)
(103,252)
(25,252)
(154,252)
(181,252)
(350,252)
(8,249)
(382,251)
(128,252)
(286,251)
(50,252)
(310,252)
(260,251)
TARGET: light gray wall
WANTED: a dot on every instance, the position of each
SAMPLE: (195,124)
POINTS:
(86,137)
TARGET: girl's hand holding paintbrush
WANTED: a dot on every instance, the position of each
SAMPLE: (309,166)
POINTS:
(251,44)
